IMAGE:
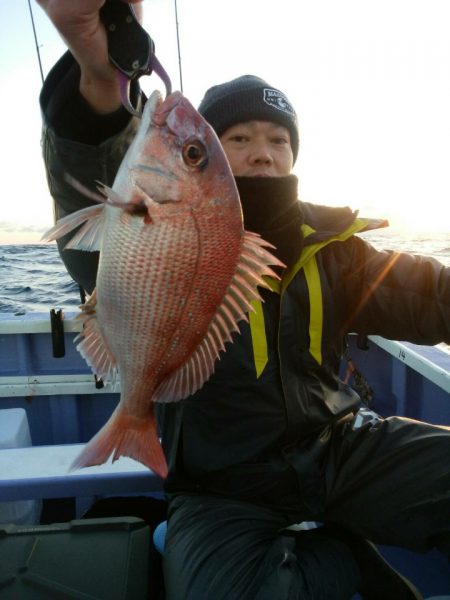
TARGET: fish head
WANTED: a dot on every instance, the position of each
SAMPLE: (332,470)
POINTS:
(176,159)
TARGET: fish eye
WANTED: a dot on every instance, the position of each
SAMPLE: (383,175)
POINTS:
(194,154)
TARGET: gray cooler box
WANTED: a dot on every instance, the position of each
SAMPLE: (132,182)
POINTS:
(90,559)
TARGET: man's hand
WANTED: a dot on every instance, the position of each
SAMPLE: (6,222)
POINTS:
(78,23)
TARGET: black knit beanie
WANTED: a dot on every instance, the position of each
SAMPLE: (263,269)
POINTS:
(248,98)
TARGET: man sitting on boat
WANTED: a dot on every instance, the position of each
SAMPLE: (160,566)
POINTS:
(274,437)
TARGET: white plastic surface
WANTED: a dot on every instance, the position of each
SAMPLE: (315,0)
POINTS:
(14,430)
(15,433)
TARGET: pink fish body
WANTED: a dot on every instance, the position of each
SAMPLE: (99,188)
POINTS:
(177,272)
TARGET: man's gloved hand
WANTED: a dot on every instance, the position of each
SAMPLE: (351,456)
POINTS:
(78,22)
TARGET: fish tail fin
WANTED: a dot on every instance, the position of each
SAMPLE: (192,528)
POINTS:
(125,435)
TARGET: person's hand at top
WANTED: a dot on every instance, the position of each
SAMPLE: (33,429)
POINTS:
(78,23)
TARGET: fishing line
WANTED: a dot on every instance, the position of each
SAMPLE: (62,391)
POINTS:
(178,46)
(36,41)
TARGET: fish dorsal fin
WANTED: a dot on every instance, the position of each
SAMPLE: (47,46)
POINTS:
(92,346)
(88,237)
(253,265)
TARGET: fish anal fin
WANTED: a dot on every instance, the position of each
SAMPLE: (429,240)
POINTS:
(93,347)
(125,435)
(252,266)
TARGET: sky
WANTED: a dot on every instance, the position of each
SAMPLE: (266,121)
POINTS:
(370,82)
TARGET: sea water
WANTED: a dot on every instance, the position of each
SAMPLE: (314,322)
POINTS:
(33,277)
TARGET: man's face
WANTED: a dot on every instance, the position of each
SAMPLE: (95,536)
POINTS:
(258,149)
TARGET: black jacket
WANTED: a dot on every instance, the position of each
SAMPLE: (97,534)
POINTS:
(277,387)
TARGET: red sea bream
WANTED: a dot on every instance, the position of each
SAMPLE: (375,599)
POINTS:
(177,272)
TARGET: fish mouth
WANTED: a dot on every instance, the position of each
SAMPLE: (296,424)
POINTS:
(177,114)
(157,110)
(151,108)
(161,109)
(160,113)
(155,100)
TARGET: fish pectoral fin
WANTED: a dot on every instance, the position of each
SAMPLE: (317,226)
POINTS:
(252,267)
(139,205)
(88,237)
(93,347)
(125,435)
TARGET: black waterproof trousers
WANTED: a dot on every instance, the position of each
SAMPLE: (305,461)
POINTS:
(387,480)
